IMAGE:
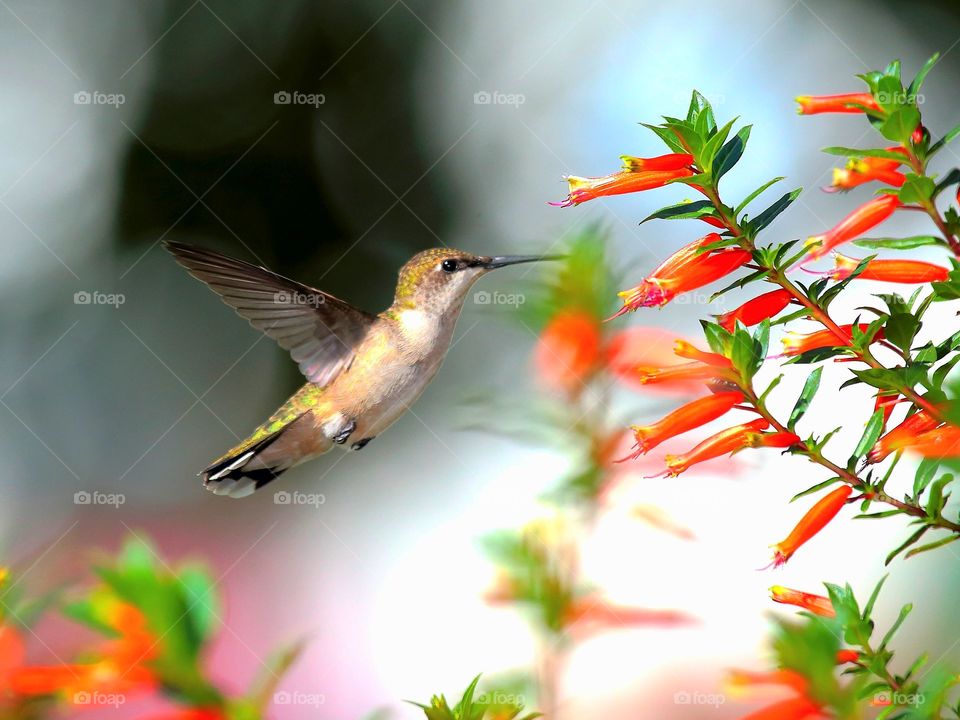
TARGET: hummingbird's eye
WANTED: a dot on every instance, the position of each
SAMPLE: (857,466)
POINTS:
(449,265)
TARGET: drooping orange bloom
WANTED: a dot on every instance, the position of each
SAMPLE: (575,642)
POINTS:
(686,417)
(692,274)
(810,524)
(847,656)
(864,218)
(672,161)
(568,350)
(583,189)
(799,707)
(886,401)
(755,311)
(681,348)
(817,604)
(726,441)
(12,653)
(644,356)
(796,343)
(845,103)
(895,271)
(741,682)
(902,435)
(941,442)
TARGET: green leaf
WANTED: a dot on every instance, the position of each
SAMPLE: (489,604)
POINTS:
(945,140)
(860,153)
(810,388)
(904,243)
(922,75)
(907,543)
(755,194)
(904,612)
(932,546)
(815,488)
(730,154)
(770,214)
(870,435)
(668,136)
(682,211)
(900,124)
(868,609)
(900,329)
(917,189)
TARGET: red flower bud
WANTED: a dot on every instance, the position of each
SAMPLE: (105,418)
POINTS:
(673,161)
(902,435)
(896,271)
(726,441)
(796,344)
(755,311)
(864,218)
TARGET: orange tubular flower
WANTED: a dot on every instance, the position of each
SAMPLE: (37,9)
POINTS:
(726,441)
(692,274)
(942,442)
(684,373)
(895,271)
(810,524)
(902,435)
(755,311)
(846,103)
(681,348)
(582,189)
(686,417)
(864,218)
(847,178)
(817,604)
(796,344)
(673,161)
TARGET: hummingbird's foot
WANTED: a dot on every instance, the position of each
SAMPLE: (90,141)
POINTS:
(341,437)
(361,444)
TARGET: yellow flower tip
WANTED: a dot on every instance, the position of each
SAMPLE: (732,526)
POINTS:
(575,182)
(776,590)
(813,241)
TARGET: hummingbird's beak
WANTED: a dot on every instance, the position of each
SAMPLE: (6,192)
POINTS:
(499,261)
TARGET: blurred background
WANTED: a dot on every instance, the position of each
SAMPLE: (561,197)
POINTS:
(329,142)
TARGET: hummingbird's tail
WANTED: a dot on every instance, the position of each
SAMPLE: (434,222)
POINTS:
(245,469)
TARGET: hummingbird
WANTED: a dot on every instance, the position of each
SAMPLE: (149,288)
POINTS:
(363,371)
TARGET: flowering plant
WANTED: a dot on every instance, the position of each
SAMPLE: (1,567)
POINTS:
(886,346)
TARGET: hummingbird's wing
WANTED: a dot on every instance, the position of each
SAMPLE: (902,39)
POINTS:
(320,331)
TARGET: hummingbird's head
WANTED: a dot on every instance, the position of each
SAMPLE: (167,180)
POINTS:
(440,278)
